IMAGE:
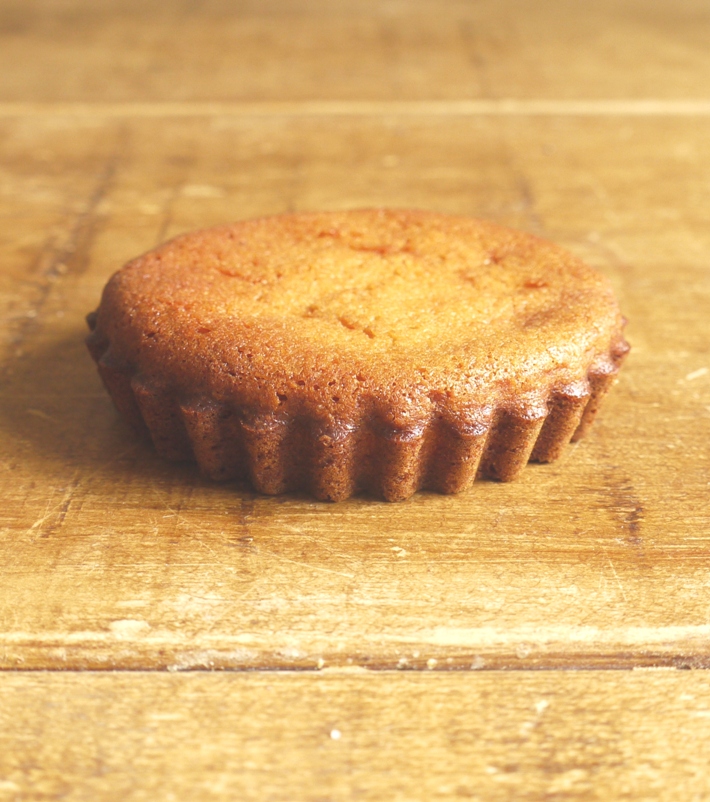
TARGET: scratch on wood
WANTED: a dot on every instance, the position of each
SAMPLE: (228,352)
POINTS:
(321,543)
(306,565)
(193,529)
(37,413)
(696,374)
(618,581)
(61,508)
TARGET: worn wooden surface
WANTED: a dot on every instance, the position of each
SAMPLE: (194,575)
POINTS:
(339,736)
(113,558)
(214,50)
(122,124)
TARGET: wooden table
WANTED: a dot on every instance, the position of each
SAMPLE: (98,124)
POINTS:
(164,638)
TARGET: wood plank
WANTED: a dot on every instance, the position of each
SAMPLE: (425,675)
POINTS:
(122,50)
(311,736)
(112,558)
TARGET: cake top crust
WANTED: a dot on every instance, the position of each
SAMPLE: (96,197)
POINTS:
(330,310)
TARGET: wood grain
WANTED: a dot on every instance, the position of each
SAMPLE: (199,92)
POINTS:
(335,736)
(126,122)
(354,49)
(116,559)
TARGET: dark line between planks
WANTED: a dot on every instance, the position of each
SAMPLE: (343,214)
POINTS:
(577,663)
(360,670)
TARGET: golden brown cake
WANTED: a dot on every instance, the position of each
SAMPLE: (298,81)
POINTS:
(375,350)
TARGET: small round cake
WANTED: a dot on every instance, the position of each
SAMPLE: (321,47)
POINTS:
(382,351)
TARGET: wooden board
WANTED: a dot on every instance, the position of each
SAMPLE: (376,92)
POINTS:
(124,123)
(411,736)
(216,50)
(116,559)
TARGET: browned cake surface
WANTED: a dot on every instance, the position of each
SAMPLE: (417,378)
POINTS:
(376,349)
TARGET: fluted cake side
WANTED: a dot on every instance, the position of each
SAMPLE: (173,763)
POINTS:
(281,451)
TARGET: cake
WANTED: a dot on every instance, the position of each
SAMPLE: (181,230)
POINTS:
(376,351)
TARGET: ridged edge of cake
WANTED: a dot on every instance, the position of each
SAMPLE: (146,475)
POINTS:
(279,453)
